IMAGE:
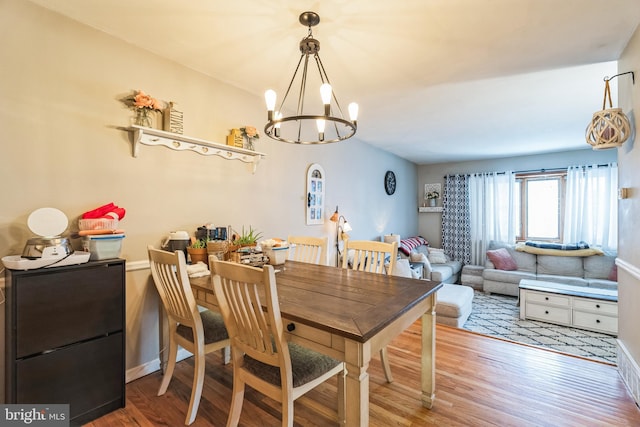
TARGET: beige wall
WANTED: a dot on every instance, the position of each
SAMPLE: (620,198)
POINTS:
(62,145)
(629,211)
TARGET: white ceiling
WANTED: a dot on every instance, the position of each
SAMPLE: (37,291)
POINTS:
(436,80)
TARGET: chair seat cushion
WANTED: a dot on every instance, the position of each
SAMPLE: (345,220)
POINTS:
(213,324)
(306,365)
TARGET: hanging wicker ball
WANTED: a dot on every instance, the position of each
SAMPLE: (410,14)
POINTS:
(609,128)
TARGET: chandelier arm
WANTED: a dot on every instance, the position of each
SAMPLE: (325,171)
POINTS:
(303,87)
(291,83)
(323,75)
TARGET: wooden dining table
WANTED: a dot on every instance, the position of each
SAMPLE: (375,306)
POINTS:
(350,315)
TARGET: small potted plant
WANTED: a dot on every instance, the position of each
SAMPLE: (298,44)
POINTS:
(247,238)
(197,251)
(432,196)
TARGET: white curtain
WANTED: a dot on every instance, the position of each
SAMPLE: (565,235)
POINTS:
(591,208)
(492,213)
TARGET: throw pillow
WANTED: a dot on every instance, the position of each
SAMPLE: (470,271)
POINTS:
(613,275)
(502,259)
(410,243)
(437,256)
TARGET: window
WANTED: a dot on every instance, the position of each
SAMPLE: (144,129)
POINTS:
(539,206)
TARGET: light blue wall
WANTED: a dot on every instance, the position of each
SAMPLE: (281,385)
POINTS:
(430,224)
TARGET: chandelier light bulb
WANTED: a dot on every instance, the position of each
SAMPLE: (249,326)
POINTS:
(325,94)
(270,99)
(353,111)
(320,123)
(277,125)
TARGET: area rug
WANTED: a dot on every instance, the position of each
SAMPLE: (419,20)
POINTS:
(499,316)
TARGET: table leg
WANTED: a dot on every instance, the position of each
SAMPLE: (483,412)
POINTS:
(357,357)
(429,355)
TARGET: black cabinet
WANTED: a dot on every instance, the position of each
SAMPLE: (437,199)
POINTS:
(65,337)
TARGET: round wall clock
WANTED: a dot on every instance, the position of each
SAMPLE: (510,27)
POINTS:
(390,182)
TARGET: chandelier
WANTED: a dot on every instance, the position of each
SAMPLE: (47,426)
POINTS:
(302,126)
(609,127)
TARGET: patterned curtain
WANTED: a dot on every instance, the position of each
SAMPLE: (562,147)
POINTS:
(456,225)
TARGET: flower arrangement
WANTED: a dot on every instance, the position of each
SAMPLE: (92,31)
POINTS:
(250,132)
(433,195)
(142,104)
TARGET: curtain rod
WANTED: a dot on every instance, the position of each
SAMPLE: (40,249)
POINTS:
(531,170)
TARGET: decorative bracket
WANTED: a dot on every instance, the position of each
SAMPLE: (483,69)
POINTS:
(174,141)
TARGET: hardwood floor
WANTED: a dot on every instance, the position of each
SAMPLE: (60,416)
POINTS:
(480,381)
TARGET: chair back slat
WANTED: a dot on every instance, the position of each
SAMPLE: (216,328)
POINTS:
(169,272)
(248,302)
(370,256)
(308,249)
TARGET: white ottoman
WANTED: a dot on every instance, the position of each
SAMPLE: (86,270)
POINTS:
(453,305)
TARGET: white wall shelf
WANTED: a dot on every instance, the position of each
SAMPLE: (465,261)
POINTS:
(430,209)
(174,141)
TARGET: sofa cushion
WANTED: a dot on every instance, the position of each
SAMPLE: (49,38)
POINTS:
(561,266)
(502,259)
(402,269)
(613,275)
(441,272)
(598,266)
(602,283)
(567,280)
(446,273)
(507,276)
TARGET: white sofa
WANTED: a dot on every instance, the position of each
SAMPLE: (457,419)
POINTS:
(589,271)
(445,272)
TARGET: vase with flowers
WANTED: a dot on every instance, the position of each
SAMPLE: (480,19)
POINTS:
(144,106)
(432,196)
(250,133)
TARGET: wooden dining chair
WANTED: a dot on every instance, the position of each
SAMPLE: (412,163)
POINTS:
(308,249)
(261,355)
(374,257)
(197,332)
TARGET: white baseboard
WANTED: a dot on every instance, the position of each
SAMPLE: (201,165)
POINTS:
(629,371)
(151,366)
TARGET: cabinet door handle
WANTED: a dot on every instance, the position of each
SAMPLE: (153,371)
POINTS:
(597,305)
(546,312)
(546,298)
(597,320)
(291,327)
